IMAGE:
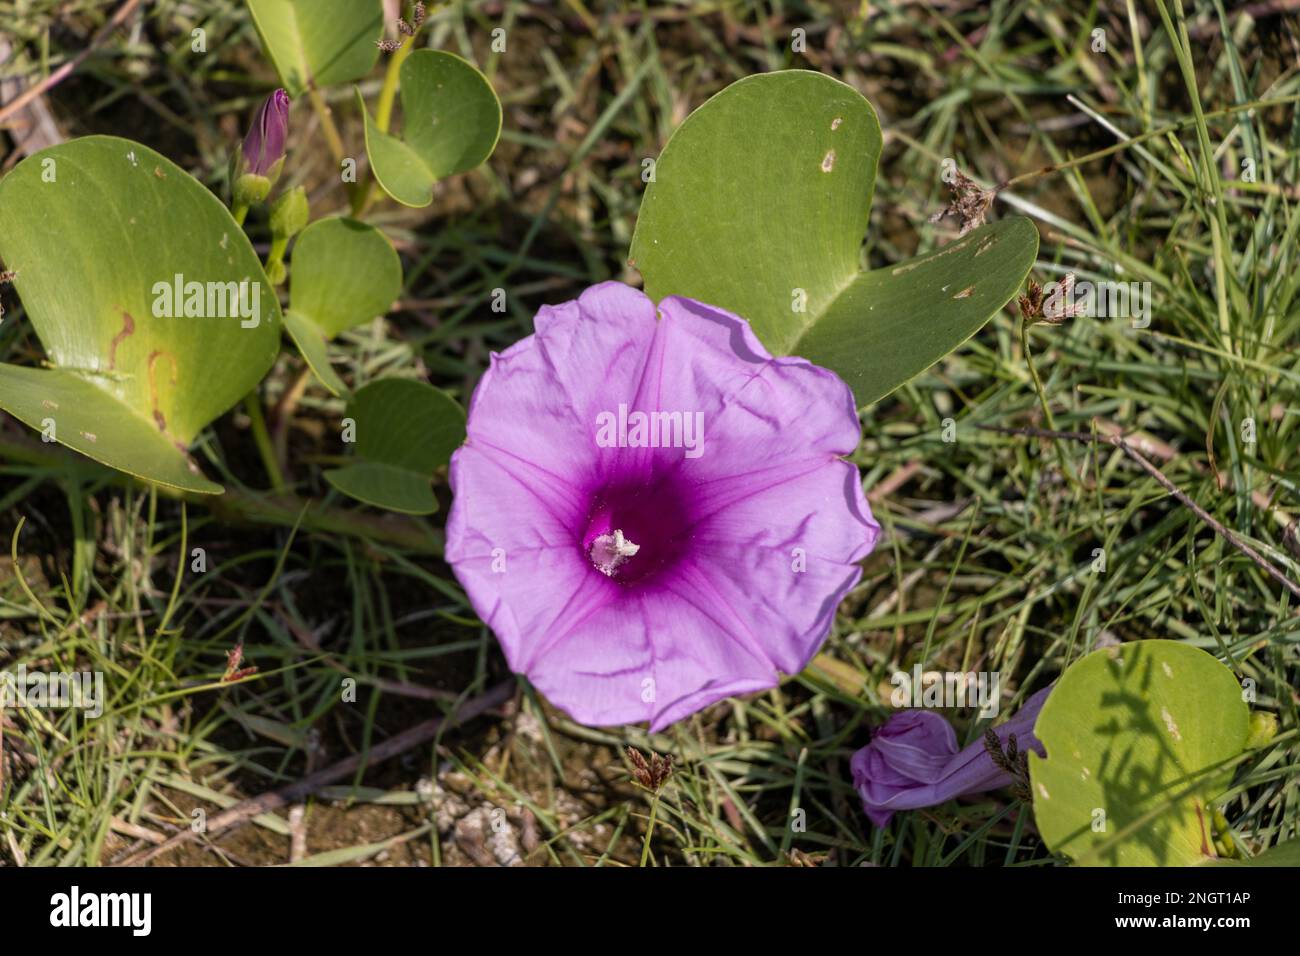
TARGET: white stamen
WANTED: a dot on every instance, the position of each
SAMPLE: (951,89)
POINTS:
(610,551)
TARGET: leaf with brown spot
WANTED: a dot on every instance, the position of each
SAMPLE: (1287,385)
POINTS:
(759,206)
(106,323)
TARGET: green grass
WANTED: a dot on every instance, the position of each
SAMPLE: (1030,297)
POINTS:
(987,562)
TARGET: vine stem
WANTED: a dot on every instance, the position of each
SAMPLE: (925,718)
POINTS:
(282,414)
(240,506)
(253,406)
(333,139)
(327,124)
(253,401)
(384,117)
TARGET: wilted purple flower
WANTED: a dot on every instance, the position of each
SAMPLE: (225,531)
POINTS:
(264,144)
(913,761)
(652,513)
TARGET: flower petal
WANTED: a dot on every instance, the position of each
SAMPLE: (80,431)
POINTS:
(740,547)
(913,761)
(615,667)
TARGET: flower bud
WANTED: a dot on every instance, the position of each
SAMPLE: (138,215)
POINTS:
(250,189)
(289,213)
(276,271)
(263,148)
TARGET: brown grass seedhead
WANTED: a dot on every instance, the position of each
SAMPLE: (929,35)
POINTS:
(1031,303)
(234,658)
(405,29)
(651,774)
(969,205)
(1039,308)
(1011,760)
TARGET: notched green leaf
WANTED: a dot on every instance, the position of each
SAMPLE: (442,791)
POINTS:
(889,325)
(325,41)
(65,407)
(404,430)
(759,205)
(451,120)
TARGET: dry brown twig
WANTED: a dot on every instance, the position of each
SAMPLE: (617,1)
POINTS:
(62,73)
(34,128)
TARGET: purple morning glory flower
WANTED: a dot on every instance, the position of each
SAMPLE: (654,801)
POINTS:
(264,145)
(652,512)
(913,761)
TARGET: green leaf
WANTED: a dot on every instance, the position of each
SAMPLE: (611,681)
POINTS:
(1284,854)
(451,119)
(891,324)
(344,274)
(314,346)
(80,417)
(326,41)
(759,205)
(385,486)
(404,430)
(1140,733)
(98,229)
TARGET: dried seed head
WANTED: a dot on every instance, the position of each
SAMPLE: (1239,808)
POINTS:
(1038,307)
(970,203)
(1011,761)
(663,769)
(651,774)
(234,658)
(640,769)
(405,29)
(1060,304)
(1031,303)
